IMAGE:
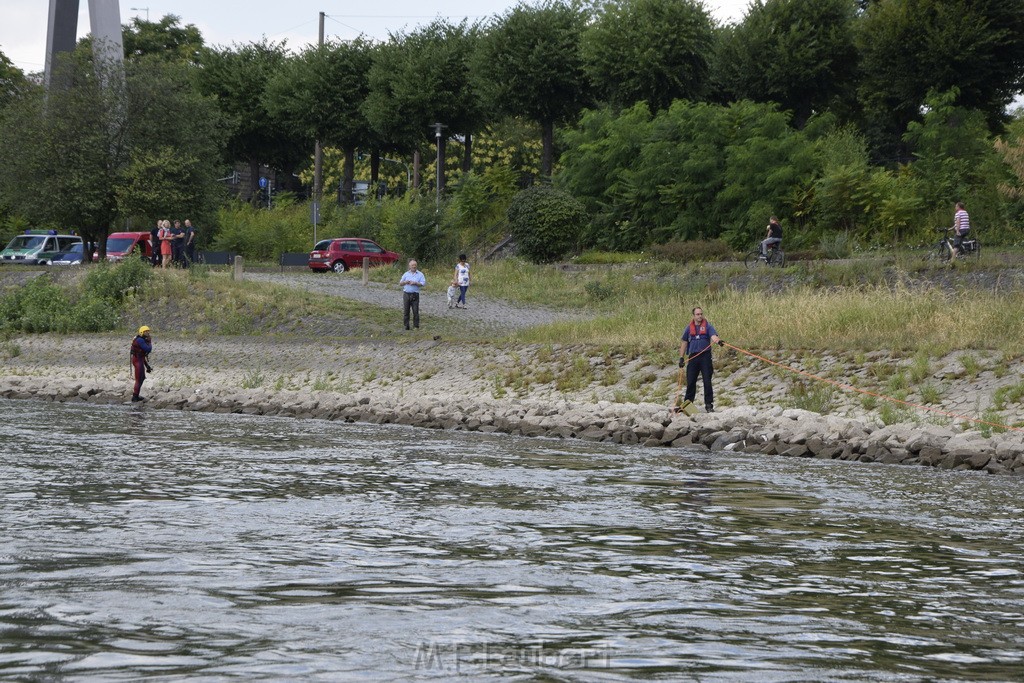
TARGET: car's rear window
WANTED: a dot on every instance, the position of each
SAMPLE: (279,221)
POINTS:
(322,246)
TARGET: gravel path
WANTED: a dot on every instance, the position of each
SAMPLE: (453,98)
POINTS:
(482,312)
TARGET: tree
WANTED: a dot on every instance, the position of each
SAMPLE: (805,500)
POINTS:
(649,50)
(108,146)
(529,64)
(237,77)
(166,39)
(797,53)
(909,47)
(421,79)
(319,96)
(12,81)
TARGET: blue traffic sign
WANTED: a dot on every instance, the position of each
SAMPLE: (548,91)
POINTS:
(263,182)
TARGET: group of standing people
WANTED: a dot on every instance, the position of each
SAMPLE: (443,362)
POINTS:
(413,280)
(173,244)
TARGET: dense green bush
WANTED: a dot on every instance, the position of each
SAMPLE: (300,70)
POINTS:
(44,306)
(262,234)
(545,222)
(115,283)
(418,229)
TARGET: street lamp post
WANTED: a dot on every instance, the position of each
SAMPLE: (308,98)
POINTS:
(141,9)
(439,136)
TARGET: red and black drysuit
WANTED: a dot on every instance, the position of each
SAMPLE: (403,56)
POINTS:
(140,361)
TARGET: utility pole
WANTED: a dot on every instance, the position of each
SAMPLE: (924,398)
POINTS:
(318,160)
(438,127)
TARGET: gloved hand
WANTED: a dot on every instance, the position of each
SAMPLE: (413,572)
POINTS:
(682,361)
(149,368)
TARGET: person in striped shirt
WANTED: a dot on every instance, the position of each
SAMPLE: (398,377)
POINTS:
(961,226)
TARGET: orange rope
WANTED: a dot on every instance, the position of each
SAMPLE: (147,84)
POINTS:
(871,393)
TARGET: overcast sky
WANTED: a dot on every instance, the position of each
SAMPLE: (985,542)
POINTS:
(23,22)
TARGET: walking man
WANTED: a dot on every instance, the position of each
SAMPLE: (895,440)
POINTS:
(412,282)
(695,356)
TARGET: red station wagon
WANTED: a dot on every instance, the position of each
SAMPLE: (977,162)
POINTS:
(343,253)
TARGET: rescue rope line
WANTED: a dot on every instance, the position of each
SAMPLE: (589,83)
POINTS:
(850,387)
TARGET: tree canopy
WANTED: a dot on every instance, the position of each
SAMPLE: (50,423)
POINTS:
(104,148)
(530,64)
(649,50)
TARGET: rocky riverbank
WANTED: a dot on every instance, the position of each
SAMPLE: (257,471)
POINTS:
(536,392)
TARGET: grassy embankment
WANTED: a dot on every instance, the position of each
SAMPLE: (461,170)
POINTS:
(895,303)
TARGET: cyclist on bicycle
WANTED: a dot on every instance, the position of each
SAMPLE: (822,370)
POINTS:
(961,226)
(772,236)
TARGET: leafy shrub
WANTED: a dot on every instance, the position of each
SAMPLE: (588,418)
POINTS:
(115,283)
(599,291)
(837,245)
(263,234)
(694,250)
(545,222)
(417,229)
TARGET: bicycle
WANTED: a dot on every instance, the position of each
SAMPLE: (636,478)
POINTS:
(775,258)
(943,251)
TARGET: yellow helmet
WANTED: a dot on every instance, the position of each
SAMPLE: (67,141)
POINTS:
(143,330)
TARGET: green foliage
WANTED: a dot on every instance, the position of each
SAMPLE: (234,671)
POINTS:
(423,77)
(43,306)
(262,234)
(545,222)
(691,171)
(798,53)
(839,190)
(836,245)
(418,229)
(165,39)
(815,398)
(109,146)
(529,64)
(908,48)
(648,50)
(238,78)
(116,283)
(320,93)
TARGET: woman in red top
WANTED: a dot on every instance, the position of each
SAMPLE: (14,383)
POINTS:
(165,242)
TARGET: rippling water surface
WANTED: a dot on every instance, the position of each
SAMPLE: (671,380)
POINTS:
(141,543)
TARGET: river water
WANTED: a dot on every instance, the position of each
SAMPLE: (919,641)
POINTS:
(138,543)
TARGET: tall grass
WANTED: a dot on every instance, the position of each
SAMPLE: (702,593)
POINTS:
(877,318)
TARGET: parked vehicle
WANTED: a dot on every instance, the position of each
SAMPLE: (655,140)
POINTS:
(343,253)
(123,244)
(37,247)
(71,257)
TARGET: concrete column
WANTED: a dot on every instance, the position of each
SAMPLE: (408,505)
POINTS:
(239,269)
(61,32)
(105,25)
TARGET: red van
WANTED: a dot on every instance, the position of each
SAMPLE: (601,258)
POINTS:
(122,244)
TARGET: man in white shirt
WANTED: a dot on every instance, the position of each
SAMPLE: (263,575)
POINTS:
(412,282)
